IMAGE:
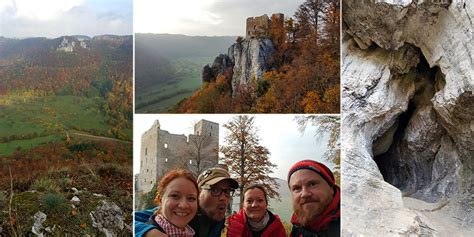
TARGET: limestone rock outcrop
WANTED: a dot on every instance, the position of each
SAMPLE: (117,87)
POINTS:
(108,218)
(408,117)
(70,44)
(37,228)
(251,59)
(219,66)
(246,59)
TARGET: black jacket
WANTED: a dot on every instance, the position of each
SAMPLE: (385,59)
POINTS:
(334,230)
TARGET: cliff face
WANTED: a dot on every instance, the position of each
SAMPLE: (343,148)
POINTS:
(248,59)
(408,110)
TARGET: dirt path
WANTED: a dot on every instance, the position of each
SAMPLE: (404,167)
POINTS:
(440,216)
(99,138)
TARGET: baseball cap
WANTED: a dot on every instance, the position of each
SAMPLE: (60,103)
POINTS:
(214,175)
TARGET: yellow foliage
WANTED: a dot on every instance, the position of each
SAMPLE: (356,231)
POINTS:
(311,102)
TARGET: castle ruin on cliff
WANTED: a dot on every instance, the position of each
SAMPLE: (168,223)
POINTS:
(260,26)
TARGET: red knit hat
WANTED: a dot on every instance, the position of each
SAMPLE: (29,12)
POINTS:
(315,166)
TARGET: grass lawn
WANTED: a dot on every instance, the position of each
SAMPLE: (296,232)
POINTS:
(27,122)
(10,147)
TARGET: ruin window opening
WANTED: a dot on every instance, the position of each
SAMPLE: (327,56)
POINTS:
(146,151)
(166,146)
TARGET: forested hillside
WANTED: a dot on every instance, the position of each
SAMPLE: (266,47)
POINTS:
(66,129)
(301,68)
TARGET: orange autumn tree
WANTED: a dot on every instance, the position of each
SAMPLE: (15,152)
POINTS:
(246,159)
(213,97)
(310,81)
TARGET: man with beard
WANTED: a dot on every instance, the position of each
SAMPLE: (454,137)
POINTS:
(316,200)
(215,189)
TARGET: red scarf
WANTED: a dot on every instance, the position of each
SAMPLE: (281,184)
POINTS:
(171,230)
(322,222)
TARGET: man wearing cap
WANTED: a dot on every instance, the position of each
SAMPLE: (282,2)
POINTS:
(315,198)
(215,189)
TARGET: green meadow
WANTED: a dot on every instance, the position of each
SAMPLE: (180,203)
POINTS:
(28,121)
(164,95)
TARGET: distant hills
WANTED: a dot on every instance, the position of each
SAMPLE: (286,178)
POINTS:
(168,67)
(41,63)
(41,72)
(174,46)
(31,47)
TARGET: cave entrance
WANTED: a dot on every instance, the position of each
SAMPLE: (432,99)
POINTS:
(406,152)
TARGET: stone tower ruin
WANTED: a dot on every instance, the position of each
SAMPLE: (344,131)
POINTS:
(260,26)
(162,151)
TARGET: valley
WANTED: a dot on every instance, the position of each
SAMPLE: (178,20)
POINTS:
(164,95)
(65,134)
(168,68)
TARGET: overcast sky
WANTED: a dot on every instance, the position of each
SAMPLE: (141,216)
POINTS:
(279,133)
(204,17)
(54,18)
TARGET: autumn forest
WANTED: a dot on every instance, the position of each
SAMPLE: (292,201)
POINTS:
(303,75)
(66,124)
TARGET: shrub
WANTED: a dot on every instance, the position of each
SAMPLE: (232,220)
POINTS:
(63,171)
(3,197)
(45,184)
(65,182)
(54,202)
(262,87)
(22,185)
(147,200)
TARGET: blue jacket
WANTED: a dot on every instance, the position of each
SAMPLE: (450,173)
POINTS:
(141,219)
(202,225)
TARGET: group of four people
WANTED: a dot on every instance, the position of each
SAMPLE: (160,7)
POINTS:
(190,207)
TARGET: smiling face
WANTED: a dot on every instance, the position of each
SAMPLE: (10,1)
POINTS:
(215,207)
(179,202)
(310,195)
(255,205)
